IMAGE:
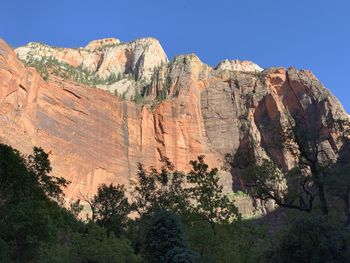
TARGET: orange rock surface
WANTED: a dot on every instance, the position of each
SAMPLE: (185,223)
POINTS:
(94,137)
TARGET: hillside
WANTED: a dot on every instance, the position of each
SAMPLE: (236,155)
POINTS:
(154,108)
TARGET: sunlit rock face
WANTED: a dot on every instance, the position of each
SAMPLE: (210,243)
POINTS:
(105,56)
(188,108)
(237,65)
(108,63)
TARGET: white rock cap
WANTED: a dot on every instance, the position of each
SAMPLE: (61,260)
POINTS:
(238,65)
(102,42)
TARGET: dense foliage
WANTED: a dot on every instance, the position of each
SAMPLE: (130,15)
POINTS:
(36,228)
(166,241)
(310,239)
(46,65)
(169,216)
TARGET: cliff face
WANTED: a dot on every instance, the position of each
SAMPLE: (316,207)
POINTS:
(94,137)
(108,63)
(104,57)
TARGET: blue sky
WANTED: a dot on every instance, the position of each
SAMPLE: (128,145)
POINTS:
(307,34)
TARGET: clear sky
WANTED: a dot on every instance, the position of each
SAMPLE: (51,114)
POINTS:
(307,34)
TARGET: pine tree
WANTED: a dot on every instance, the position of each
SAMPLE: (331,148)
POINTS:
(165,240)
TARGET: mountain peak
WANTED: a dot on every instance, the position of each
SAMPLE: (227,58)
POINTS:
(99,43)
(100,63)
(238,65)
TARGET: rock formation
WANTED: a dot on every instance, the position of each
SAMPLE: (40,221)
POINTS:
(108,59)
(187,108)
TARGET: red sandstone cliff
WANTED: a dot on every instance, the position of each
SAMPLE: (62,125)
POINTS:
(94,137)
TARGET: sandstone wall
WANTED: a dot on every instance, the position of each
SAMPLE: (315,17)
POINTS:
(94,137)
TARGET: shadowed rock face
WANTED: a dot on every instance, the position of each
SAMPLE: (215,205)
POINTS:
(94,137)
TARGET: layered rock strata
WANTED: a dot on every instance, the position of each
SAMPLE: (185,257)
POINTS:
(95,137)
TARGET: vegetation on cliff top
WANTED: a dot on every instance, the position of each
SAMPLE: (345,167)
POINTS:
(46,65)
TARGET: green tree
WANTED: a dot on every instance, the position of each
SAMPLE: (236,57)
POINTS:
(110,207)
(92,244)
(234,242)
(162,94)
(112,79)
(209,207)
(309,240)
(28,177)
(138,98)
(39,165)
(267,182)
(307,183)
(208,200)
(154,190)
(166,240)
(29,214)
(16,183)
(26,225)
(160,189)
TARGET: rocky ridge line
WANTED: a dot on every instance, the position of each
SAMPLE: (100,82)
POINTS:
(94,137)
